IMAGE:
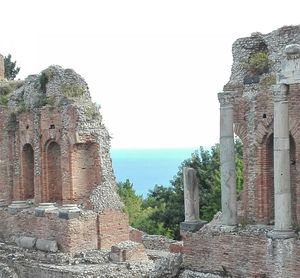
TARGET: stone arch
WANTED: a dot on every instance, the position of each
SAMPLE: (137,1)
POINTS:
(27,170)
(267,183)
(53,172)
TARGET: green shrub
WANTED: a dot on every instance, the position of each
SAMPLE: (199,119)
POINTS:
(43,79)
(72,90)
(258,63)
(3,100)
(5,89)
(92,111)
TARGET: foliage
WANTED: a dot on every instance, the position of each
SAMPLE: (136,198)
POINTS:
(10,68)
(73,90)
(43,80)
(3,100)
(268,81)
(258,63)
(139,216)
(92,110)
(163,209)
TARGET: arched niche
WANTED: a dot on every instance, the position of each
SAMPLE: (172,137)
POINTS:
(27,177)
(85,170)
(53,172)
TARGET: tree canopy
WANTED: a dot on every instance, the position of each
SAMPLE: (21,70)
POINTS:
(163,209)
(11,70)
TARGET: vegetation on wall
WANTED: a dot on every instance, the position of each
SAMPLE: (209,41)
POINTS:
(258,63)
(163,209)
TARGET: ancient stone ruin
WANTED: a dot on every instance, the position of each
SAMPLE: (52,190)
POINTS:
(61,216)
(256,236)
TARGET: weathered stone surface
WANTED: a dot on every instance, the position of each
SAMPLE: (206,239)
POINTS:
(46,245)
(44,208)
(26,242)
(194,274)
(128,251)
(17,206)
(7,272)
(191,226)
(282,180)
(191,194)
(227,161)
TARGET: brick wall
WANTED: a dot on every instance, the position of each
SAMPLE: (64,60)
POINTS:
(89,231)
(113,228)
(253,119)
(242,254)
(77,234)
(85,171)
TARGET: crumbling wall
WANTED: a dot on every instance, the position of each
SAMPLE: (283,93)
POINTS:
(240,252)
(49,121)
(251,91)
(71,235)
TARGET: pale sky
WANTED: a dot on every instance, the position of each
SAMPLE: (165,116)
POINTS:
(155,67)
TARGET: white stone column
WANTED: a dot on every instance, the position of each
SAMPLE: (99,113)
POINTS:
(191,195)
(282,184)
(192,222)
(227,161)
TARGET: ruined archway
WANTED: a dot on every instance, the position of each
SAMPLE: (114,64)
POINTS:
(268,179)
(53,172)
(27,181)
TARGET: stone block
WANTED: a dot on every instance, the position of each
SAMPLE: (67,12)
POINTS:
(26,242)
(47,245)
(135,235)
(176,247)
(17,206)
(128,251)
(69,211)
(44,208)
(192,226)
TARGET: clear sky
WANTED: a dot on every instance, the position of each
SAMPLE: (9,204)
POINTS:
(155,67)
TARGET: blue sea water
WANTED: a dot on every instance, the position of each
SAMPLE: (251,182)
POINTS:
(147,167)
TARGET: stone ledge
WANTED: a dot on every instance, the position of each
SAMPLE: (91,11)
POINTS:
(191,226)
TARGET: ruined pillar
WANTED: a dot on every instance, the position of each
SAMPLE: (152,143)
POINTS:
(191,195)
(227,161)
(282,184)
(192,221)
(1,67)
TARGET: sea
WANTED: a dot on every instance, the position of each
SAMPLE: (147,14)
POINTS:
(147,167)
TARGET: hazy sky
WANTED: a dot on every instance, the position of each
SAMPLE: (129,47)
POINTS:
(155,67)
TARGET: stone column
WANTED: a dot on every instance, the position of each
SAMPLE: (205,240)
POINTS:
(282,185)
(227,161)
(192,222)
(191,195)
(1,67)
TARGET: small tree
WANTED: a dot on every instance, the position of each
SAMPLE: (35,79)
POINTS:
(11,70)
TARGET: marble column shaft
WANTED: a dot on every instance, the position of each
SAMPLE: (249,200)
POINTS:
(227,161)
(282,184)
(191,195)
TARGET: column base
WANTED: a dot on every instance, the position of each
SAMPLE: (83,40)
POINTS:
(229,228)
(191,226)
(281,234)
